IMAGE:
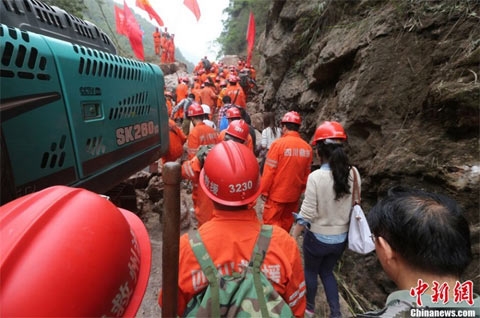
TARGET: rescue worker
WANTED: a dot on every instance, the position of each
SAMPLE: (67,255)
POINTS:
(201,134)
(177,140)
(285,173)
(169,102)
(226,164)
(182,89)
(207,96)
(171,49)
(222,88)
(156,41)
(68,252)
(233,113)
(235,91)
(203,206)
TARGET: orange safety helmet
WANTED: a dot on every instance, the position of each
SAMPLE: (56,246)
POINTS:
(195,109)
(230,175)
(238,129)
(329,130)
(233,112)
(292,117)
(70,252)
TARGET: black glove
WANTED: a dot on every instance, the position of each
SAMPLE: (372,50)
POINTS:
(202,153)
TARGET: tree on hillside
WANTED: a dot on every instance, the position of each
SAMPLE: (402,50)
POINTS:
(232,39)
(75,7)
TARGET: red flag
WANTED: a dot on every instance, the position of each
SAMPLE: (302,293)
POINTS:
(134,32)
(193,6)
(250,36)
(145,5)
(120,21)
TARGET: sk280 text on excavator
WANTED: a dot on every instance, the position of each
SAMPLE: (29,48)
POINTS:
(72,111)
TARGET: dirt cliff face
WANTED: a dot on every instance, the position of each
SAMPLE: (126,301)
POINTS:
(402,78)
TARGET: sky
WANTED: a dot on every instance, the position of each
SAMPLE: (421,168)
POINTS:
(195,39)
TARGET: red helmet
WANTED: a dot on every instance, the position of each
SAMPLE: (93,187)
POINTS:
(329,130)
(78,253)
(230,175)
(195,109)
(233,112)
(292,117)
(239,129)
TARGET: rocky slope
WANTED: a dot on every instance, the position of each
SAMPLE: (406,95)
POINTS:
(402,77)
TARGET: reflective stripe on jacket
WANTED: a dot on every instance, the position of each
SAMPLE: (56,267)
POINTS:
(286,168)
(201,134)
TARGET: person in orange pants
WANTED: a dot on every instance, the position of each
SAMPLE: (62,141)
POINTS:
(230,235)
(157,36)
(177,140)
(168,102)
(171,49)
(163,44)
(201,134)
(285,173)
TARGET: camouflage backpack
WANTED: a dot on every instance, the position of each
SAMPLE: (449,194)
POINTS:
(245,294)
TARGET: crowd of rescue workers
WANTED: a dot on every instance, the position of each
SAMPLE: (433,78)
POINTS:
(230,169)
(253,199)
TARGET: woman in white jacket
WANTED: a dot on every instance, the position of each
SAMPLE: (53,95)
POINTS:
(270,133)
(325,213)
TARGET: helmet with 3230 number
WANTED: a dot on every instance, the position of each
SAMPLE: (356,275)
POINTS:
(70,252)
(329,130)
(230,175)
(292,117)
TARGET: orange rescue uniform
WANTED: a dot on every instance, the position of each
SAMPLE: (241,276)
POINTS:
(237,95)
(284,178)
(229,239)
(177,139)
(156,42)
(203,205)
(181,91)
(201,134)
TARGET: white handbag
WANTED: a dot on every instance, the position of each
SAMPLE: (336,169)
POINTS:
(359,234)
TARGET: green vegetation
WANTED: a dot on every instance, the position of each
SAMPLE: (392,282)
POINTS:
(75,7)
(232,40)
